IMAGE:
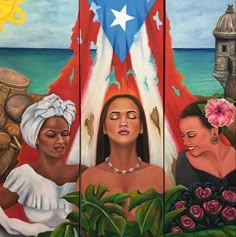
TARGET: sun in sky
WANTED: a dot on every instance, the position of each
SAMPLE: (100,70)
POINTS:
(11,12)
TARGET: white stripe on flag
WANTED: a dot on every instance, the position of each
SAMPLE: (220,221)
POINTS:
(145,73)
(92,102)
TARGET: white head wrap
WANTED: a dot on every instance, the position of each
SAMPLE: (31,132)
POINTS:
(34,116)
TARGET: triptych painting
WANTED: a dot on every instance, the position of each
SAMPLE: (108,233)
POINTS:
(118,118)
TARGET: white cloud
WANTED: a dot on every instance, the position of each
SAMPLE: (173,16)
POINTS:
(192,22)
(48,24)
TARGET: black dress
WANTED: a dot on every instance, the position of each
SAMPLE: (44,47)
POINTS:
(189,176)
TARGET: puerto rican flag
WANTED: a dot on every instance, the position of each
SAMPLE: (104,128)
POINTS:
(125,47)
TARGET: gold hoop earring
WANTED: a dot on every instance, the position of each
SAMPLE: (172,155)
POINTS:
(214,139)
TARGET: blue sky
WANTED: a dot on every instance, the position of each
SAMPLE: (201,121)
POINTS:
(48,23)
(192,21)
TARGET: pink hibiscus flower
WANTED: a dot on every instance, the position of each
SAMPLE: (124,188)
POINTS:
(220,112)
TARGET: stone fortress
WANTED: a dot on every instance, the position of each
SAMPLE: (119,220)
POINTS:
(225,52)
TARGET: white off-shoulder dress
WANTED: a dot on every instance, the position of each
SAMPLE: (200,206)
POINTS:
(41,199)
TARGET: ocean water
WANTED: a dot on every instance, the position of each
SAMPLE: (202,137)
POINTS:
(42,67)
(197,66)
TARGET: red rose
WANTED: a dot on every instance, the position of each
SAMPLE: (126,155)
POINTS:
(212,206)
(196,211)
(179,204)
(229,213)
(203,193)
(177,229)
(187,222)
(229,195)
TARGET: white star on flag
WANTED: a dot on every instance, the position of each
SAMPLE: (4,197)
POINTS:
(121,18)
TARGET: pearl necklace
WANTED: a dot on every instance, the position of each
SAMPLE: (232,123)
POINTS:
(130,170)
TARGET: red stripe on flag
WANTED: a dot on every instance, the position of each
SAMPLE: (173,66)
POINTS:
(173,104)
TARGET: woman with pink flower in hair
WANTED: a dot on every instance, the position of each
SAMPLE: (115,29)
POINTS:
(207,158)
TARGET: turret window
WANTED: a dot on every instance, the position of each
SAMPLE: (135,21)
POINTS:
(224,48)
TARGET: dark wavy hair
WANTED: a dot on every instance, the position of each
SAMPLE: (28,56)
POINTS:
(103,145)
(194,110)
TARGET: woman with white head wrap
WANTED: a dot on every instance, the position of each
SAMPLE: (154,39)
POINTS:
(39,187)
(35,115)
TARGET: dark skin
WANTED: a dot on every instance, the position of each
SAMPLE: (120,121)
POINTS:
(51,144)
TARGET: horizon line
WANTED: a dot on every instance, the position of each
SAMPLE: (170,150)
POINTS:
(90,49)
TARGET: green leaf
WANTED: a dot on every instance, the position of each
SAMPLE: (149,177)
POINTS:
(103,215)
(84,220)
(117,198)
(146,214)
(73,216)
(60,230)
(44,234)
(226,231)
(137,198)
(82,233)
(115,210)
(172,194)
(202,108)
(231,100)
(149,211)
(217,95)
(116,225)
(73,197)
(169,216)
(224,129)
(69,232)
(101,190)
(132,229)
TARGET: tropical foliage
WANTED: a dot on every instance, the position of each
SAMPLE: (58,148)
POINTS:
(201,211)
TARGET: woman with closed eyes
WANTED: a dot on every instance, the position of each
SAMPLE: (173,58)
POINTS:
(206,158)
(122,159)
(39,186)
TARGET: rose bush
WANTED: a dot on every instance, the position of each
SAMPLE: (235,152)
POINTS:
(203,193)
(207,206)
(196,211)
(229,213)
(187,222)
(229,196)
(213,207)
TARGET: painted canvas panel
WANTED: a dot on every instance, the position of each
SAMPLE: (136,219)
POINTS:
(93,106)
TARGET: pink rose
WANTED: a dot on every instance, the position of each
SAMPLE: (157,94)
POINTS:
(219,112)
(213,206)
(187,222)
(196,211)
(177,229)
(229,195)
(229,213)
(203,193)
(179,204)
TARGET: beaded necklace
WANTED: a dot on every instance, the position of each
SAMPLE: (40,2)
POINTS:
(130,170)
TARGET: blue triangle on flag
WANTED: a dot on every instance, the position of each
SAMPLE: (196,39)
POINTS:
(121,20)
